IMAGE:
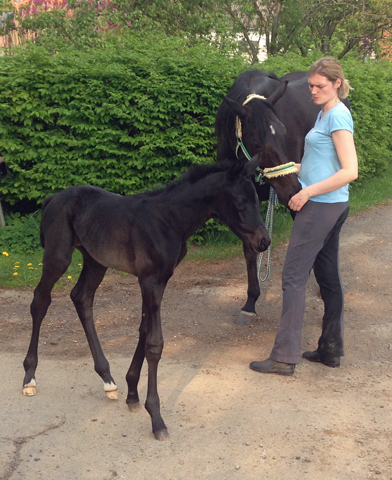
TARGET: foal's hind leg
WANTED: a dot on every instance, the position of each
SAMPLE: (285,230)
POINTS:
(54,267)
(83,297)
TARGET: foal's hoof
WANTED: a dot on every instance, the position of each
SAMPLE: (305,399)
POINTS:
(30,389)
(134,407)
(111,390)
(112,394)
(161,434)
(245,318)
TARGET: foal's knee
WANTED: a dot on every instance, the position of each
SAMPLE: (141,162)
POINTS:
(154,352)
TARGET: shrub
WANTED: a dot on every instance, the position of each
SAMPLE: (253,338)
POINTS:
(124,117)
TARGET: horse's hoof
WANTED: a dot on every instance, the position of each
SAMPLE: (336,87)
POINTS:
(112,394)
(111,390)
(29,390)
(161,434)
(245,318)
(134,407)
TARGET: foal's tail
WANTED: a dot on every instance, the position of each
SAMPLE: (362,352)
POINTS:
(43,206)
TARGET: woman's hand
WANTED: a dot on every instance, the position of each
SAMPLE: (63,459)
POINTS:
(298,200)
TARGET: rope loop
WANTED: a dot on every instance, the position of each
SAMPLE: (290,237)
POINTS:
(269,223)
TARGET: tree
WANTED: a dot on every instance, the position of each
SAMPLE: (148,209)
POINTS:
(329,26)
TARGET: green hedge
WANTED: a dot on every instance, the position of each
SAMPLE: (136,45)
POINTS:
(122,117)
(133,115)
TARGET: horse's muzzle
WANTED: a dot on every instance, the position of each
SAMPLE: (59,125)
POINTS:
(259,241)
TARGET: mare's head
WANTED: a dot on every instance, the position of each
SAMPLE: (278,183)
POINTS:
(3,168)
(260,132)
(238,207)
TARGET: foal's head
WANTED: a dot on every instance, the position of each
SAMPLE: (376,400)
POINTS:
(240,210)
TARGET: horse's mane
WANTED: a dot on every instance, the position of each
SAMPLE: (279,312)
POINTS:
(192,175)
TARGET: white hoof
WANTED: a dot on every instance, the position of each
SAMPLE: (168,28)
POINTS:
(111,390)
(30,389)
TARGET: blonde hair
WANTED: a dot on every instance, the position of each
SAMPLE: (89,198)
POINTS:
(332,70)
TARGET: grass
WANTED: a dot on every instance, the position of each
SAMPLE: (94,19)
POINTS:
(19,270)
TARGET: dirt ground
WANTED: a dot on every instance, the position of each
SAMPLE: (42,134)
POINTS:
(225,421)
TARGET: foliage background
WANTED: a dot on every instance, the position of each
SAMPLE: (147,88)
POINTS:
(124,117)
(130,116)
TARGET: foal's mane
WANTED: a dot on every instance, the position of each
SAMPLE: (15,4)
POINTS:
(191,176)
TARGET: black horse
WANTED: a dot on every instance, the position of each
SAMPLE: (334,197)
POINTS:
(145,235)
(273,127)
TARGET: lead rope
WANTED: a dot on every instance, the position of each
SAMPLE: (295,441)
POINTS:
(269,223)
(273,202)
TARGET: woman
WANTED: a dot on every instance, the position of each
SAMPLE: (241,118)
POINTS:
(329,164)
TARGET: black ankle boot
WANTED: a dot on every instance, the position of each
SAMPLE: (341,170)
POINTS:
(270,366)
(325,359)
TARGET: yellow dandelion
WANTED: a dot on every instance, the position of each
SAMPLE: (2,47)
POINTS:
(69,277)
(15,273)
(16,266)
(79,264)
(16,263)
(29,264)
(6,254)
(31,268)
(40,264)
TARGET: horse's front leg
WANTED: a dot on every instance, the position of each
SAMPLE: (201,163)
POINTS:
(82,296)
(152,292)
(248,312)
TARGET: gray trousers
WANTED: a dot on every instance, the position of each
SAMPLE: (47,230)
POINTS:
(314,243)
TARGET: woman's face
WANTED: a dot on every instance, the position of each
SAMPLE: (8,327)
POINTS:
(322,89)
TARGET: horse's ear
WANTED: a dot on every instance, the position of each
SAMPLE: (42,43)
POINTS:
(278,93)
(235,107)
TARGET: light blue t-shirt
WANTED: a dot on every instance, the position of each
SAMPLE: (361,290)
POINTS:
(320,160)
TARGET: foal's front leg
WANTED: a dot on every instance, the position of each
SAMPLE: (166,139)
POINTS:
(151,339)
(248,312)
(133,374)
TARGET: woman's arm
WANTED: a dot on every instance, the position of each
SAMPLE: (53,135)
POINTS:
(345,149)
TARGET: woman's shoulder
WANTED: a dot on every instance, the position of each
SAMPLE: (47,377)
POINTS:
(341,118)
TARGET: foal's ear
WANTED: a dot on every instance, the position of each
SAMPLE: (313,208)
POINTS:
(235,107)
(236,168)
(278,93)
(250,167)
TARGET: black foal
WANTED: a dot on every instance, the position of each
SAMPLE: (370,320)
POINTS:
(145,235)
